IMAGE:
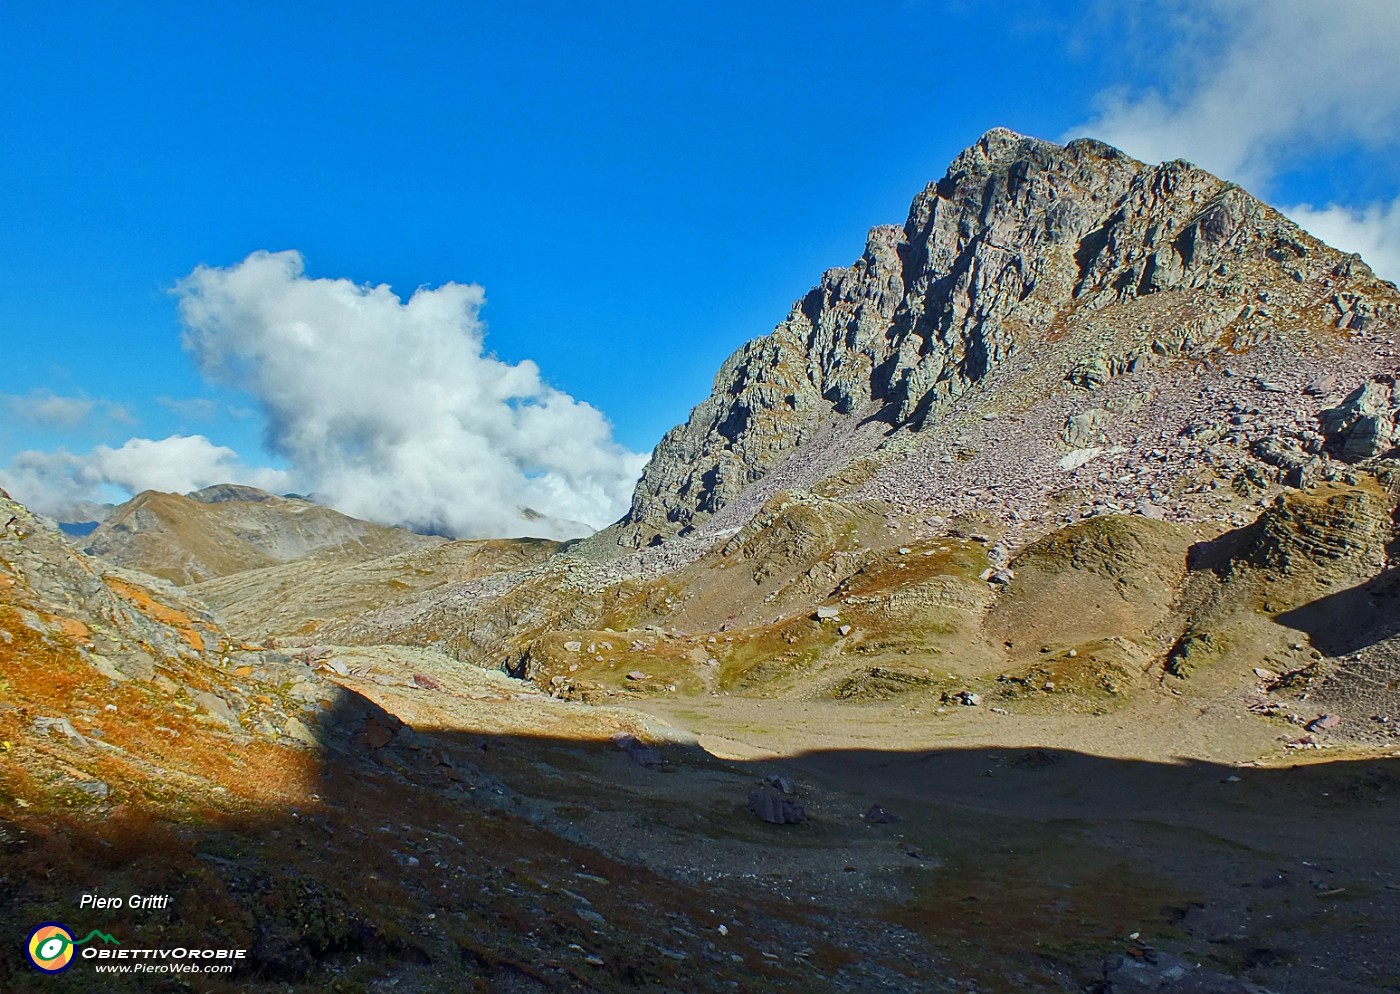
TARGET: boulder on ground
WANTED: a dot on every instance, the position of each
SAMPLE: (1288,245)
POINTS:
(1367,423)
(776,809)
(1143,970)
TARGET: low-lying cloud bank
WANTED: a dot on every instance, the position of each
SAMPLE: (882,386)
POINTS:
(67,485)
(387,409)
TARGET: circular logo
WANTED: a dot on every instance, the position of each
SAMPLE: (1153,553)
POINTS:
(50,948)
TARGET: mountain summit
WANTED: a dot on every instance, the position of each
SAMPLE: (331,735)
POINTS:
(1061,267)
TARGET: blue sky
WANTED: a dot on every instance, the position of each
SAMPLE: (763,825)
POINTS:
(638,187)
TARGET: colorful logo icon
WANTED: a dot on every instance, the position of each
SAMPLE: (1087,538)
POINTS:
(51,948)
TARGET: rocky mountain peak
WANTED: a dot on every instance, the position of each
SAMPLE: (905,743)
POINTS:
(221,492)
(1024,247)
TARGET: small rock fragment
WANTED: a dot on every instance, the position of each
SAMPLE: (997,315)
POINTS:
(295,728)
(877,815)
(94,788)
(1322,386)
(216,707)
(64,727)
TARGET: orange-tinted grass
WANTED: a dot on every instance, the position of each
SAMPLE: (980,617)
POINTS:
(163,613)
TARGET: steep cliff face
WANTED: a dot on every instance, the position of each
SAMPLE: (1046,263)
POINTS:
(1022,245)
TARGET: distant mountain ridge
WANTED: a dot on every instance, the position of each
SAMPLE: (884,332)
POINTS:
(230,528)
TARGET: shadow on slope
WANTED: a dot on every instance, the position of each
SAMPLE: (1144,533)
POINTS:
(1353,619)
(451,859)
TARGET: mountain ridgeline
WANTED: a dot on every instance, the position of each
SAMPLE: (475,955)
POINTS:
(1022,246)
(229,528)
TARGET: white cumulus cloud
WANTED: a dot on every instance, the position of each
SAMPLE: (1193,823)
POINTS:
(1374,231)
(393,410)
(1259,88)
(67,485)
(178,464)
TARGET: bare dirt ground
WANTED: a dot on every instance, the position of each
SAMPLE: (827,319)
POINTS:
(1021,851)
(449,828)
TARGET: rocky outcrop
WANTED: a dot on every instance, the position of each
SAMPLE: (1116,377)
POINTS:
(78,621)
(222,492)
(1367,423)
(1333,534)
(121,628)
(1313,563)
(1022,245)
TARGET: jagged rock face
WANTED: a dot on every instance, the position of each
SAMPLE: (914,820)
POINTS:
(1021,244)
(1367,423)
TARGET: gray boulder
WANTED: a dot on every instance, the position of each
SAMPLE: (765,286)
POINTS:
(1367,423)
(776,809)
(1150,970)
(1085,428)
